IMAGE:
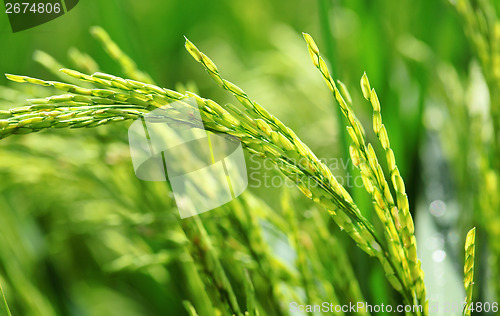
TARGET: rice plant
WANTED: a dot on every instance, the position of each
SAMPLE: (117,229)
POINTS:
(469,268)
(474,130)
(254,282)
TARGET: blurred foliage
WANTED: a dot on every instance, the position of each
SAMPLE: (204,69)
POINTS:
(81,235)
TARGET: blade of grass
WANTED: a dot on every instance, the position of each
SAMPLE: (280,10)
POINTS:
(6,305)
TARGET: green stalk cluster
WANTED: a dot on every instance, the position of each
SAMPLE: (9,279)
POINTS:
(118,99)
(404,273)
(482,27)
(400,215)
(272,139)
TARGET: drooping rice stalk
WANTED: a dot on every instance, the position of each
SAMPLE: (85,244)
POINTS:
(399,230)
(129,67)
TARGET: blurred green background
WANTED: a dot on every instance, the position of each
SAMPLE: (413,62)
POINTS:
(80,235)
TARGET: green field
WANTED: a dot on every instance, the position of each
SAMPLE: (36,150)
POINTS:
(371,134)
